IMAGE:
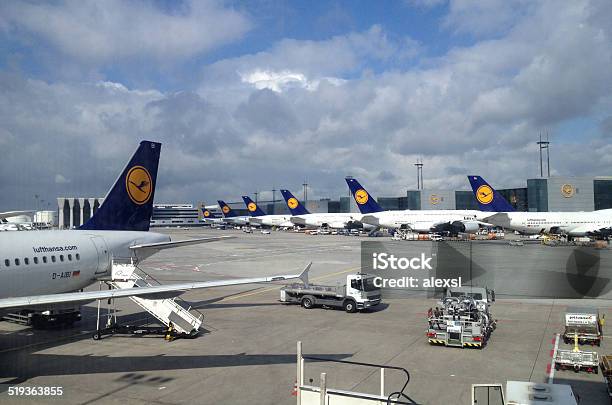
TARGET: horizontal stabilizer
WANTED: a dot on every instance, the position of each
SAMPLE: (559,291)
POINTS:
(9,214)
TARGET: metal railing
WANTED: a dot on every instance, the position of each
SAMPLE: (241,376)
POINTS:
(396,397)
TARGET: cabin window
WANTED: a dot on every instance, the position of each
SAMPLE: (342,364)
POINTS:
(26,261)
(53,258)
(16,262)
(7,262)
(44,259)
(61,258)
(69,258)
(35,260)
(78,256)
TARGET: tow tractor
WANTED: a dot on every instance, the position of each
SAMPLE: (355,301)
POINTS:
(577,359)
(585,323)
(464,318)
(359,293)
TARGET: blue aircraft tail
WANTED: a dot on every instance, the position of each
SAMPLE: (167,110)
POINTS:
(129,204)
(487,198)
(208,214)
(226,210)
(366,203)
(294,205)
(253,208)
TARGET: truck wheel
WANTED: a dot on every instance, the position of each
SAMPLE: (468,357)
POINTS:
(307,302)
(349,306)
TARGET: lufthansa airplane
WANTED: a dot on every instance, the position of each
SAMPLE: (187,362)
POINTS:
(230,217)
(454,221)
(9,221)
(211,218)
(300,216)
(258,217)
(48,268)
(592,223)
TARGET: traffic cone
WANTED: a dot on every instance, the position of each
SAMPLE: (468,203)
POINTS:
(295,390)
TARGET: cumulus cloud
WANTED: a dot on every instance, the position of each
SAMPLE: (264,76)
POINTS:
(59,179)
(301,61)
(320,110)
(279,81)
(106,31)
(485,17)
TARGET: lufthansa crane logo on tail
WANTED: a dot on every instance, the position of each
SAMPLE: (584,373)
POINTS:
(361,196)
(292,202)
(225,209)
(484,194)
(139,185)
(252,207)
(206,213)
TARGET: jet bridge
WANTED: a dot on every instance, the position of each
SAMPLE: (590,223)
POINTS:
(175,314)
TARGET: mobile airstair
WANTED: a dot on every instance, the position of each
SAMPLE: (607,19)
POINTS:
(175,314)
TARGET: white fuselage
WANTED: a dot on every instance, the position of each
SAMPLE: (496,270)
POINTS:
(326,220)
(420,220)
(241,220)
(272,220)
(570,223)
(52,262)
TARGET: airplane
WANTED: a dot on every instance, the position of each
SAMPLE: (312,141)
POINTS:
(46,269)
(258,217)
(453,221)
(9,214)
(593,223)
(11,220)
(230,216)
(211,218)
(301,216)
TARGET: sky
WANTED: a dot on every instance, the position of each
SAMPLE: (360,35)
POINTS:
(247,96)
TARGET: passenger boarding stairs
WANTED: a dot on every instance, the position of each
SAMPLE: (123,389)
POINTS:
(167,310)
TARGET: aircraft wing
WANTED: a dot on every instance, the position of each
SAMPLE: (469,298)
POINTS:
(154,292)
(151,247)
(9,214)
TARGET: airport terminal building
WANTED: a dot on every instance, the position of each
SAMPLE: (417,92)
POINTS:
(539,195)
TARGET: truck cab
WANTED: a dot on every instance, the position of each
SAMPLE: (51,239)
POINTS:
(360,287)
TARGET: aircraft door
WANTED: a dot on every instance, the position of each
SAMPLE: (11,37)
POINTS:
(104,260)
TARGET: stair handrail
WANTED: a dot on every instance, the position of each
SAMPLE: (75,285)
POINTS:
(394,396)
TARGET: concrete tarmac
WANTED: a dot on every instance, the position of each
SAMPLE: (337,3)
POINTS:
(246,354)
